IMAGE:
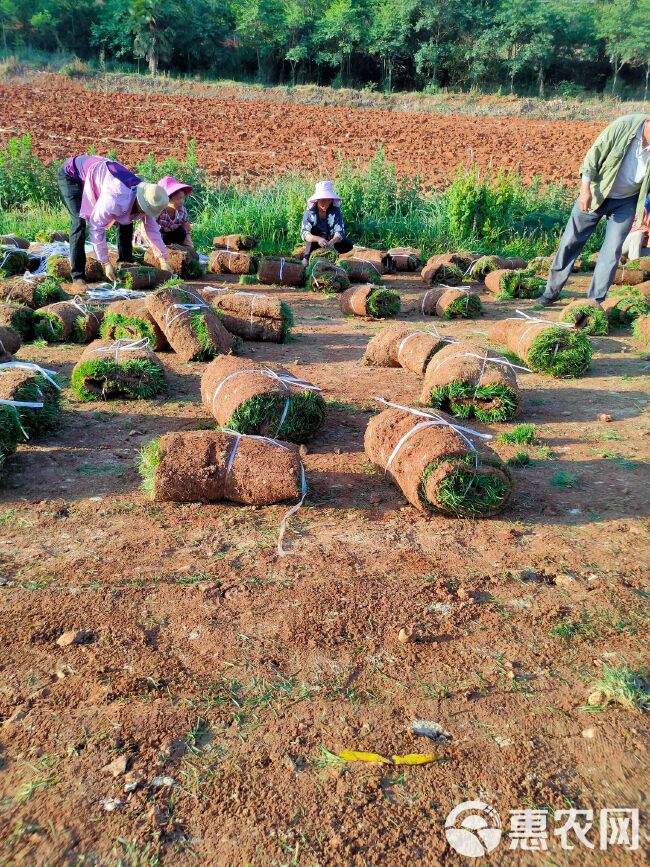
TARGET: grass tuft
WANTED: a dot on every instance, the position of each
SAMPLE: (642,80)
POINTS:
(522,434)
(149,460)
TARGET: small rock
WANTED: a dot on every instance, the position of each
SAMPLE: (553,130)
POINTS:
(375,499)
(596,698)
(74,636)
(303,451)
(62,669)
(132,780)
(112,804)
(461,593)
(16,717)
(135,433)
(194,634)
(159,782)
(588,733)
(406,635)
(605,416)
(565,580)
(338,451)
(510,675)
(432,730)
(502,742)
(117,767)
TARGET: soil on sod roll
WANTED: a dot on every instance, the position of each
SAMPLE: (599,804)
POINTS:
(193,334)
(20,318)
(29,386)
(183,261)
(250,315)
(130,320)
(231,262)
(379,258)
(34,292)
(281,271)
(241,395)
(643,289)
(544,347)
(461,380)
(110,370)
(587,315)
(60,268)
(445,268)
(14,241)
(403,346)
(622,306)
(9,342)
(13,261)
(404,259)
(435,468)
(369,301)
(506,283)
(641,329)
(360,271)
(10,431)
(486,264)
(65,322)
(630,274)
(325,276)
(451,303)
(138,277)
(208,466)
(234,242)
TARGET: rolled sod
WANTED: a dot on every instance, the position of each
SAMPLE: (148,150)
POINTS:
(209,466)
(435,468)
(183,261)
(65,322)
(279,271)
(379,258)
(404,259)
(540,265)
(32,291)
(13,261)
(231,262)
(20,318)
(586,315)
(445,268)
(10,431)
(506,284)
(244,396)
(403,346)
(30,386)
(191,326)
(451,303)
(250,315)
(130,320)
(137,277)
(327,254)
(633,271)
(641,329)
(14,241)
(10,342)
(361,271)
(622,306)
(486,264)
(324,276)
(111,370)
(370,301)
(643,289)
(544,347)
(234,242)
(461,380)
(60,268)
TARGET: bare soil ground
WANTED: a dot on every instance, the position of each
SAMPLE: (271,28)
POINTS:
(223,673)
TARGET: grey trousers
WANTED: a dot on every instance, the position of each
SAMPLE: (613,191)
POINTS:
(620,216)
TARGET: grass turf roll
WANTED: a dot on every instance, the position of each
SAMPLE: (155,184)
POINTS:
(136,277)
(10,342)
(506,284)
(183,260)
(434,466)
(32,291)
(403,346)
(209,466)
(464,380)
(451,302)
(544,346)
(370,301)
(117,370)
(234,242)
(67,321)
(20,317)
(586,315)
(486,264)
(622,306)
(325,276)
(641,329)
(191,326)
(327,254)
(23,382)
(361,271)
(632,272)
(10,431)
(643,289)
(60,268)
(379,258)
(540,265)
(245,396)
(13,261)
(404,259)
(445,268)
(280,271)
(130,320)
(14,241)
(250,315)
(231,262)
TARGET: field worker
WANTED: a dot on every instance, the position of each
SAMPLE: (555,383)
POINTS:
(637,243)
(101,192)
(615,184)
(322,222)
(173,221)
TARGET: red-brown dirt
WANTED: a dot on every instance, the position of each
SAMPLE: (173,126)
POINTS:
(245,139)
(220,673)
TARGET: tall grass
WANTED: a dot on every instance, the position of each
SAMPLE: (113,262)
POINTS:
(489,212)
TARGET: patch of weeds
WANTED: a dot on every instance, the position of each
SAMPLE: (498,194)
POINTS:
(592,625)
(544,453)
(131,853)
(46,776)
(193,580)
(37,584)
(342,404)
(243,702)
(564,479)
(10,520)
(326,759)
(620,685)
(621,461)
(521,459)
(521,434)
(39,344)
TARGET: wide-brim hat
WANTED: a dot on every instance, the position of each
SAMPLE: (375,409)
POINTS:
(323,190)
(171,185)
(151,198)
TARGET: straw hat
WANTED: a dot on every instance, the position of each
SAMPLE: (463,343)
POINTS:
(151,198)
(170,185)
(323,190)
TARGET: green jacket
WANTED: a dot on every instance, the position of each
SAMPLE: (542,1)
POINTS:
(604,158)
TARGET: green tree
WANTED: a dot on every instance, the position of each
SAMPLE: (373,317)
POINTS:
(616,26)
(390,31)
(260,28)
(338,35)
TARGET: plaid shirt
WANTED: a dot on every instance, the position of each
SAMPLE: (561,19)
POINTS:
(168,223)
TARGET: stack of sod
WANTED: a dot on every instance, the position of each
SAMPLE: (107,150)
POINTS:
(231,262)
(130,320)
(13,261)
(464,380)
(14,241)
(20,318)
(404,259)
(28,383)
(60,268)
(120,370)
(190,325)
(360,271)
(450,302)
(9,342)
(544,346)
(136,277)
(67,321)
(251,398)
(278,271)
(32,291)
(324,276)
(10,431)
(633,272)
(370,301)
(587,315)
(234,242)
(249,315)
(434,466)
(641,329)
(506,283)
(209,466)
(622,306)
(403,346)
(183,261)
(486,264)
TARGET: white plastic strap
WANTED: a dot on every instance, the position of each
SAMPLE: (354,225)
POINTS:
(281,269)
(183,309)
(286,380)
(124,345)
(107,292)
(24,404)
(28,365)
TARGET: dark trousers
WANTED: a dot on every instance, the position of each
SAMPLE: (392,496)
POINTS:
(176,236)
(343,246)
(71,192)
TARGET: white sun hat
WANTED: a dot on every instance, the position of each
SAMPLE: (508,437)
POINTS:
(151,198)
(323,190)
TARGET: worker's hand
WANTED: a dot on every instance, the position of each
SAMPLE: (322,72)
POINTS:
(584,199)
(109,270)
(322,242)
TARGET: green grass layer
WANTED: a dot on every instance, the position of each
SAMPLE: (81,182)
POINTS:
(452,275)
(465,400)
(48,327)
(466,493)
(562,352)
(520,284)
(22,321)
(116,379)
(468,307)
(10,432)
(383,303)
(39,421)
(48,291)
(116,326)
(13,262)
(287,321)
(371,276)
(149,460)
(595,319)
(331,282)
(262,413)
(630,306)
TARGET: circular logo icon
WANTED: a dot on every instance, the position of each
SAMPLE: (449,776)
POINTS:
(475,834)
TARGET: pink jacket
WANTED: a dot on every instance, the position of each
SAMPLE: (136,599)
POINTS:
(106,200)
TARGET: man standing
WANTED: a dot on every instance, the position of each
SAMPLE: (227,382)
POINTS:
(615,183)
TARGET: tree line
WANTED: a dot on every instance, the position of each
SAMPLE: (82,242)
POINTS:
(527,46)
